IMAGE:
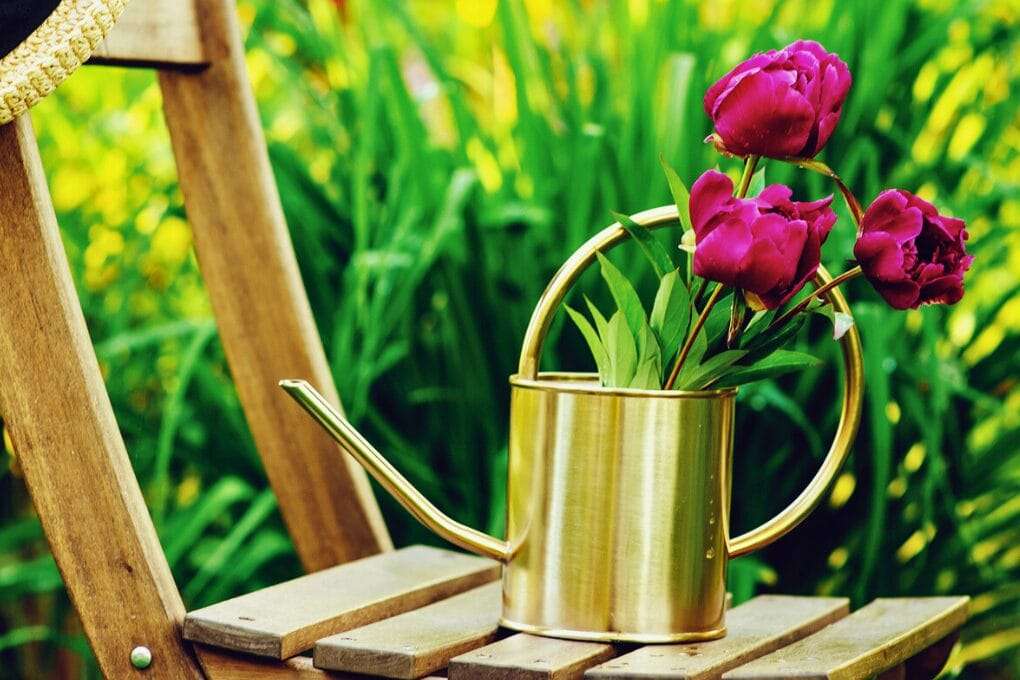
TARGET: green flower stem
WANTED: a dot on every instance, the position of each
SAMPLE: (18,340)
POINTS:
(821,168)
(848,275)
(689,342)
(750,164)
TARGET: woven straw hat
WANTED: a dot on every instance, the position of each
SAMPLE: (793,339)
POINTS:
(44,41)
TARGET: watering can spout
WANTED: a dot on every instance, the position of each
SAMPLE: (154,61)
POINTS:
(396,484)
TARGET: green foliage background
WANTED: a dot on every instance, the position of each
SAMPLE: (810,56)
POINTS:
(437,161)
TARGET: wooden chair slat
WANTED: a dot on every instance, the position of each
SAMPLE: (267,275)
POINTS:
(870,641)
(160,33)
(220,664)
(286,619)
(419,642)
(262,311)
(755,628)
(62,426)
(529,657)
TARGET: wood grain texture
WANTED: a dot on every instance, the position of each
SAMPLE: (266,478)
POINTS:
(870,641)
(164,33)
(286,619)
(220,664)
(529,657)
(419,642)
(247,259)
(61,423)
(755,628)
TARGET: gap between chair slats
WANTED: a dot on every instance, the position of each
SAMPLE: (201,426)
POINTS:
(286,619)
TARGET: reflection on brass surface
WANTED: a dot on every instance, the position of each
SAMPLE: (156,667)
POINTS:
(617,500)
(619,505)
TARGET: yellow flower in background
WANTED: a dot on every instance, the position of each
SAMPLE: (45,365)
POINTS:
(477,13)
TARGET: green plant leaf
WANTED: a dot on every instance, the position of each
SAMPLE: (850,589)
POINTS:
(648,375)
(591,336)
(718,319)
(777,363)
(713,367)
(681,196)
(627,300)
(769,341)
(698,348)
(621,350)
(671,313)
(661,259)
(600,320)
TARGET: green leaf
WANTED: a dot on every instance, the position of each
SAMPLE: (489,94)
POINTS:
(681,196)
(600,320)
(648,375)
(718,319)
(769,341)
(660,258)
(779,362)
(714,367)
(591,336)
(759,322)
(698,348)
(671,313)
(621,350)
(841,323)
(627,300)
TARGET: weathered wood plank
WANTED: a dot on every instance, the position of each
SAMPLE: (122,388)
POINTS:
(286,619)
(220,664)
(755,628)
(163,33)
(529,657)
(265,321)
(60,421)
(870,641)
(419,642)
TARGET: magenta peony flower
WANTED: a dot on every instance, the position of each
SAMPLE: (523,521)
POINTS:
(767,245)
(778,104)
(910,253)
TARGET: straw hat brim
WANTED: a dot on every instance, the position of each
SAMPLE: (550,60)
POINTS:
(61,43)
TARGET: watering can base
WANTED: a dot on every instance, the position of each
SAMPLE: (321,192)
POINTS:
(615,636)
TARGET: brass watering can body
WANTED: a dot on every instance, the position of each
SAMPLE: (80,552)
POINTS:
(618,500)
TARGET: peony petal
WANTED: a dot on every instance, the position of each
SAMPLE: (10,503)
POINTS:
(719,254)
(946,290)
(889,213)
(880,257)
(775,194)
(810,258)
(756,62)
(809,46)
(771,261)
(900,295)
(710,193)
(761,115)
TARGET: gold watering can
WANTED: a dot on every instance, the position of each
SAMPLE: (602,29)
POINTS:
(618,500)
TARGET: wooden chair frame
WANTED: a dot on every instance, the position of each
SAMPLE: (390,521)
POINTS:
(55,405)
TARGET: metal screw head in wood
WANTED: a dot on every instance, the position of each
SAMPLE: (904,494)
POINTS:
(141,657)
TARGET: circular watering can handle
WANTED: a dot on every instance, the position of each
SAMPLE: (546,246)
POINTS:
(850,344)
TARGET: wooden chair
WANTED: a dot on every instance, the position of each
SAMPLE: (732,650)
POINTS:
(405,613)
